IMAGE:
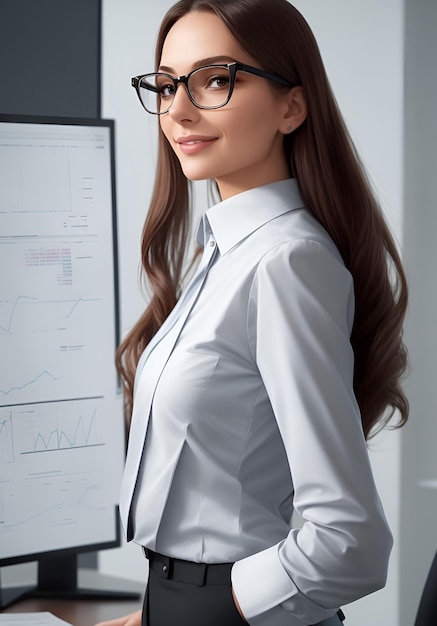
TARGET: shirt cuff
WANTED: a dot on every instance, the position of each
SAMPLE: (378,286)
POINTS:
(268,597)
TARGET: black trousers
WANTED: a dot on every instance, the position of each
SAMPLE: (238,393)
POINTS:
(182,593)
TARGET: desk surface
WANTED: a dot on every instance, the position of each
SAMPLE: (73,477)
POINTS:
(77,612)
(85,612)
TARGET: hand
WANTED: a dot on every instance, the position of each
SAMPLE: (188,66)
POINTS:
(237,604)
(133,619)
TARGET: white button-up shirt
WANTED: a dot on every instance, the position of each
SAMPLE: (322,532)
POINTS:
(244,409)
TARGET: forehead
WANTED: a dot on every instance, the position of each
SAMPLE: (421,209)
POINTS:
(199,35)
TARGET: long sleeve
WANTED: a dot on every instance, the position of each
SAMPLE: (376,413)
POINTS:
(299,323)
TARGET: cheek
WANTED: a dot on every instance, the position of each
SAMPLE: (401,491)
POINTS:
(253,133)
(255,119)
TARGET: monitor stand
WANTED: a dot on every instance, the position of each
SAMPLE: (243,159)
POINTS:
(58,578)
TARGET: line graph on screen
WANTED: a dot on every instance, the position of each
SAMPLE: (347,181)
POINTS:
(59,427)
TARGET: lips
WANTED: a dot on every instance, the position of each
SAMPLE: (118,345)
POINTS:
(191,144)
(192,139)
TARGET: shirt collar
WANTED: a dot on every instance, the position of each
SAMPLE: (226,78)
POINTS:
(236,218)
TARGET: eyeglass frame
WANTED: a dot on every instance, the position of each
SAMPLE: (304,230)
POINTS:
(232,68)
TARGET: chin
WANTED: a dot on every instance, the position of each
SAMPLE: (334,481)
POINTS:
(195,178)
(194,175)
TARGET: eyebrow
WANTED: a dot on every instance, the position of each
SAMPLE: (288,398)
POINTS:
(200,63)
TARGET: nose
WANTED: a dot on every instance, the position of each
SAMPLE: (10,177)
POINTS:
(182,107)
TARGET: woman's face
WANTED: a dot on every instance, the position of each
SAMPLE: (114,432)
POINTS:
(240,146)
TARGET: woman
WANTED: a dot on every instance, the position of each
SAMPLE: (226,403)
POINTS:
(257,385)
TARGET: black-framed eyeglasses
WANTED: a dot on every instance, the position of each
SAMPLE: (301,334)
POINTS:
(208,87)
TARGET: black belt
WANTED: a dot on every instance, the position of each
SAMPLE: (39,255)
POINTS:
(188,572)
(193,573)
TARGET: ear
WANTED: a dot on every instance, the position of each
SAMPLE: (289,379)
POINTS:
(295,110)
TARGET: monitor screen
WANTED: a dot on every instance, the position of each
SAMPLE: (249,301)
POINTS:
(62,438)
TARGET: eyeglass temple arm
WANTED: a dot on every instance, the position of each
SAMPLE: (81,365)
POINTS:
(263,74)
(135,81)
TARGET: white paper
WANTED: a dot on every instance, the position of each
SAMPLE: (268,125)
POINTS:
(31,619)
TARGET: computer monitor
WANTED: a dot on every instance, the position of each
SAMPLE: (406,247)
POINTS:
(62,439)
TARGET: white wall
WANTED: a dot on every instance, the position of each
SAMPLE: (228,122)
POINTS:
(362,44)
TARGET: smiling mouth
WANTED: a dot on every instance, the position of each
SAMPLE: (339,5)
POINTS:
(190,140)
(194,145)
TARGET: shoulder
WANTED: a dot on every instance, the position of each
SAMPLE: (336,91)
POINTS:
(299,230)
(298,242)
(302,271)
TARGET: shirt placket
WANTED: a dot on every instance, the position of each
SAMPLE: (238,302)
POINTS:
(144,394)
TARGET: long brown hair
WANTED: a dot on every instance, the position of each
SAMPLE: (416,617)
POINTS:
(334,186)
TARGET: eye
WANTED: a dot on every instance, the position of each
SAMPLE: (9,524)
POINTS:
(219,81)
(167,90)
(165,87)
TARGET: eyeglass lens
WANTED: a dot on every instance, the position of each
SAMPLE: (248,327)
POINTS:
(208,87)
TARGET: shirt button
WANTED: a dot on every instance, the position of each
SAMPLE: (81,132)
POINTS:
(212,244)
(165,569)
